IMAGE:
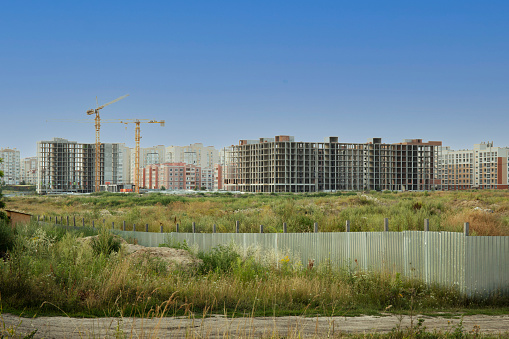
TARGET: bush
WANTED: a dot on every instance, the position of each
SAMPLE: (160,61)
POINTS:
(220,259)
(6,238)
(105,243)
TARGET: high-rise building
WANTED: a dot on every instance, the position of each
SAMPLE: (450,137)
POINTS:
(11,166)
(171,176)
(68,166)
(281,164)
(484,167)
(29,170)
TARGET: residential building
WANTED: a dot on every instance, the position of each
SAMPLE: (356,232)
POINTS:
(29,170)
(281,164)
(194,154)
(218,177)
(207,178)
(148,156)
(172,176)
(69,166)
(11,166)
(483,167)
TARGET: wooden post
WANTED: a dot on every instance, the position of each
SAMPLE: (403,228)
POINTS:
(123,226)
(112,225)
(465,229)
(161,228)
(347,226)
(134,227)
(214,228)
(386,224)
(237,226)
(177,228)
(50,219)
(426,225)
(74,221)
(83,222)
(316,227)
(285,230)
(93,223)
(37,218)
(261,228)
(67,220)
(146,227)
(194,227)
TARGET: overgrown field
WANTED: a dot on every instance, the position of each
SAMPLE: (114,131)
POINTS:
(486,211)
(46,270)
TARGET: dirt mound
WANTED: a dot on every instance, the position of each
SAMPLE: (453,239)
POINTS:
(172,257)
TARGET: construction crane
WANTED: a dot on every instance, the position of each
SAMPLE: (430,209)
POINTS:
(97,172)
(137,138)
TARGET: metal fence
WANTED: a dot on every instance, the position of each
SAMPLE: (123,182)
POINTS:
(477,266)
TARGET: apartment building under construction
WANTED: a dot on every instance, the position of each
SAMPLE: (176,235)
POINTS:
(281,164)
(68,166)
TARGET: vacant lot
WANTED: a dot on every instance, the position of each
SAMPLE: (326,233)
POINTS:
(487,211)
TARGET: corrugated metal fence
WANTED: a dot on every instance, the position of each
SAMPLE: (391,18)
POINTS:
(475,265)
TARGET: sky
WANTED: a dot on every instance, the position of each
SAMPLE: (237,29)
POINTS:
(221,71)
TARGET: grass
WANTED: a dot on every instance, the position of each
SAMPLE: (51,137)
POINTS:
(486,211)
(48,272)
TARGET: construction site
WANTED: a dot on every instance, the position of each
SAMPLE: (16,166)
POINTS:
(281,164)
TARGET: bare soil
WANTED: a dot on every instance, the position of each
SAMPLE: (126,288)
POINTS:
(221,327)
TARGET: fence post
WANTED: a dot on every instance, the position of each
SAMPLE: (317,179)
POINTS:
(237,226)
(161,228)
(194,227)
(214,228)
(83,222)
(465,229)
(50,219)
(347,226)
(177,228)
(285,230)
(37,218)
(74,221)
(426,225)
(123,226)
(386,224)
(93,223)
(67,220)
(104,223)
(112,225)
(146,227)
(316,227)
(261,228)
(134,227)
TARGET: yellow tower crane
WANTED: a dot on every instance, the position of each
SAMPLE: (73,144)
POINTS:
(137,138)
(97,172)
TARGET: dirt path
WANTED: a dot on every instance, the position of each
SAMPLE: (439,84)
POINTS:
(220,327)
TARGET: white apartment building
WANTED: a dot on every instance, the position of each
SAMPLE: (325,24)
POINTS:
(484,167)
(11,166)
(148,156)
(29,170)
(207,178)
(194,154)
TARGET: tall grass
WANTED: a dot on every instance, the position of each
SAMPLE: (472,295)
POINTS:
(50,272)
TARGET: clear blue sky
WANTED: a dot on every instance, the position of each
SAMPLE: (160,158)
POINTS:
(220,71)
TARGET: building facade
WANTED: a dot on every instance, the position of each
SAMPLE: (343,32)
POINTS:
(281,164)
(172,176)
(69,166)
(11,166)
(29,170)
(483,167)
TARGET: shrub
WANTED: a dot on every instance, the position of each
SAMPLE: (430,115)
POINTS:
(6,238)
(105,243)
(220,259)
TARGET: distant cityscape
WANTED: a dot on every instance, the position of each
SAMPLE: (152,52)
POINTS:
(278,164)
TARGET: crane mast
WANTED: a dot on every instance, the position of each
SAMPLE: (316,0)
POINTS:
(97,168)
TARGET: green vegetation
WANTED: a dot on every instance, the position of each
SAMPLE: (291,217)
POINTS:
(50,271)
(487,211)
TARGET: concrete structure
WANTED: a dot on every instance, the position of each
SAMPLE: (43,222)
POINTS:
(281,164)
(68,166)
(171,176)
(484,167)
(148,156)
(207,178)
(194,154)
(11,166)
(29,170)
